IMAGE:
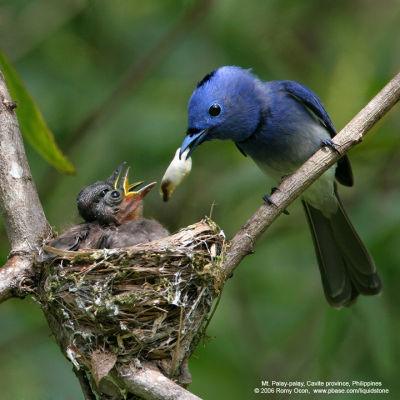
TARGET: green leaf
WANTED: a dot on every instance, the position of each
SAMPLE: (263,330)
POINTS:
(31,121)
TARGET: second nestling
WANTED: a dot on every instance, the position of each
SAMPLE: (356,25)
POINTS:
(113,214)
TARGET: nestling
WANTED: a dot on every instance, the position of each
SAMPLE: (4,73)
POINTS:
(113,214)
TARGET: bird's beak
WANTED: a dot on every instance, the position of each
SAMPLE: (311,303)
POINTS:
(114,178)
(131,206)
(192,140)
(124,184)
(117,183)
(138,195)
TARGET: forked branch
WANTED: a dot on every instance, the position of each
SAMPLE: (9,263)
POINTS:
(27,226)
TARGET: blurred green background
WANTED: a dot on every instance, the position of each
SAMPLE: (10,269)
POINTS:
(134,65)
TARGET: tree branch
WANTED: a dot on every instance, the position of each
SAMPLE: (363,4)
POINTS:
(149,383)
(23,215)
(22,212)
(293,185)
(27,226)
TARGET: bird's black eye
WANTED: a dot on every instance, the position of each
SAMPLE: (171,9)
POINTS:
(104,192)
(214,110)
(115,194)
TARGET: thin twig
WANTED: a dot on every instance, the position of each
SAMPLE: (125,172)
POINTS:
(209,318)
(177,345)
(293,185)
(27,225)
(85,386)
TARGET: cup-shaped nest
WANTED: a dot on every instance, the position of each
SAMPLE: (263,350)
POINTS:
(146,302)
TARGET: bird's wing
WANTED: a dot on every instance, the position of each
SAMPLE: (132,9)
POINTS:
(314,106)
(311,102)
(136,231)
(155,230)
(72,238)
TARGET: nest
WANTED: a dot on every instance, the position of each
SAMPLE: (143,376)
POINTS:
(145,302)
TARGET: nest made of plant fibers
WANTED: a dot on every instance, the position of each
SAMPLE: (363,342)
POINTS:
(148,301)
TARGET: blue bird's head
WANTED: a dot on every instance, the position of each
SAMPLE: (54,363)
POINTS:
(223,106)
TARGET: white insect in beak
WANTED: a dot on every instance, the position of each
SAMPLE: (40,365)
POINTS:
(177,171)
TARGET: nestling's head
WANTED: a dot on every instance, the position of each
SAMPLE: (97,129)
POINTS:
(112,201)
(224,105)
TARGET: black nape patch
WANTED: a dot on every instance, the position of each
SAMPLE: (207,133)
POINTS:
(206,78)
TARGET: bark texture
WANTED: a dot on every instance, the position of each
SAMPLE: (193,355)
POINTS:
(27,226)
(22,212)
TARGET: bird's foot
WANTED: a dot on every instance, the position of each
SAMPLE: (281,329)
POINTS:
(329,143)
(267,199)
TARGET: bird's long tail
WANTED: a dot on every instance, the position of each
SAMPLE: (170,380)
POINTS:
(347,269)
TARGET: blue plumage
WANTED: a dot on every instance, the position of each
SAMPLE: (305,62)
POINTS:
(280,124)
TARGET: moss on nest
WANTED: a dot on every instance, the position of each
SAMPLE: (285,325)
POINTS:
(148,301)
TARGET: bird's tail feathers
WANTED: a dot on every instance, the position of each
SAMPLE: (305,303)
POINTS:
(346,267)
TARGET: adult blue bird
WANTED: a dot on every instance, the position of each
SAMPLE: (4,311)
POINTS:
(280,124)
